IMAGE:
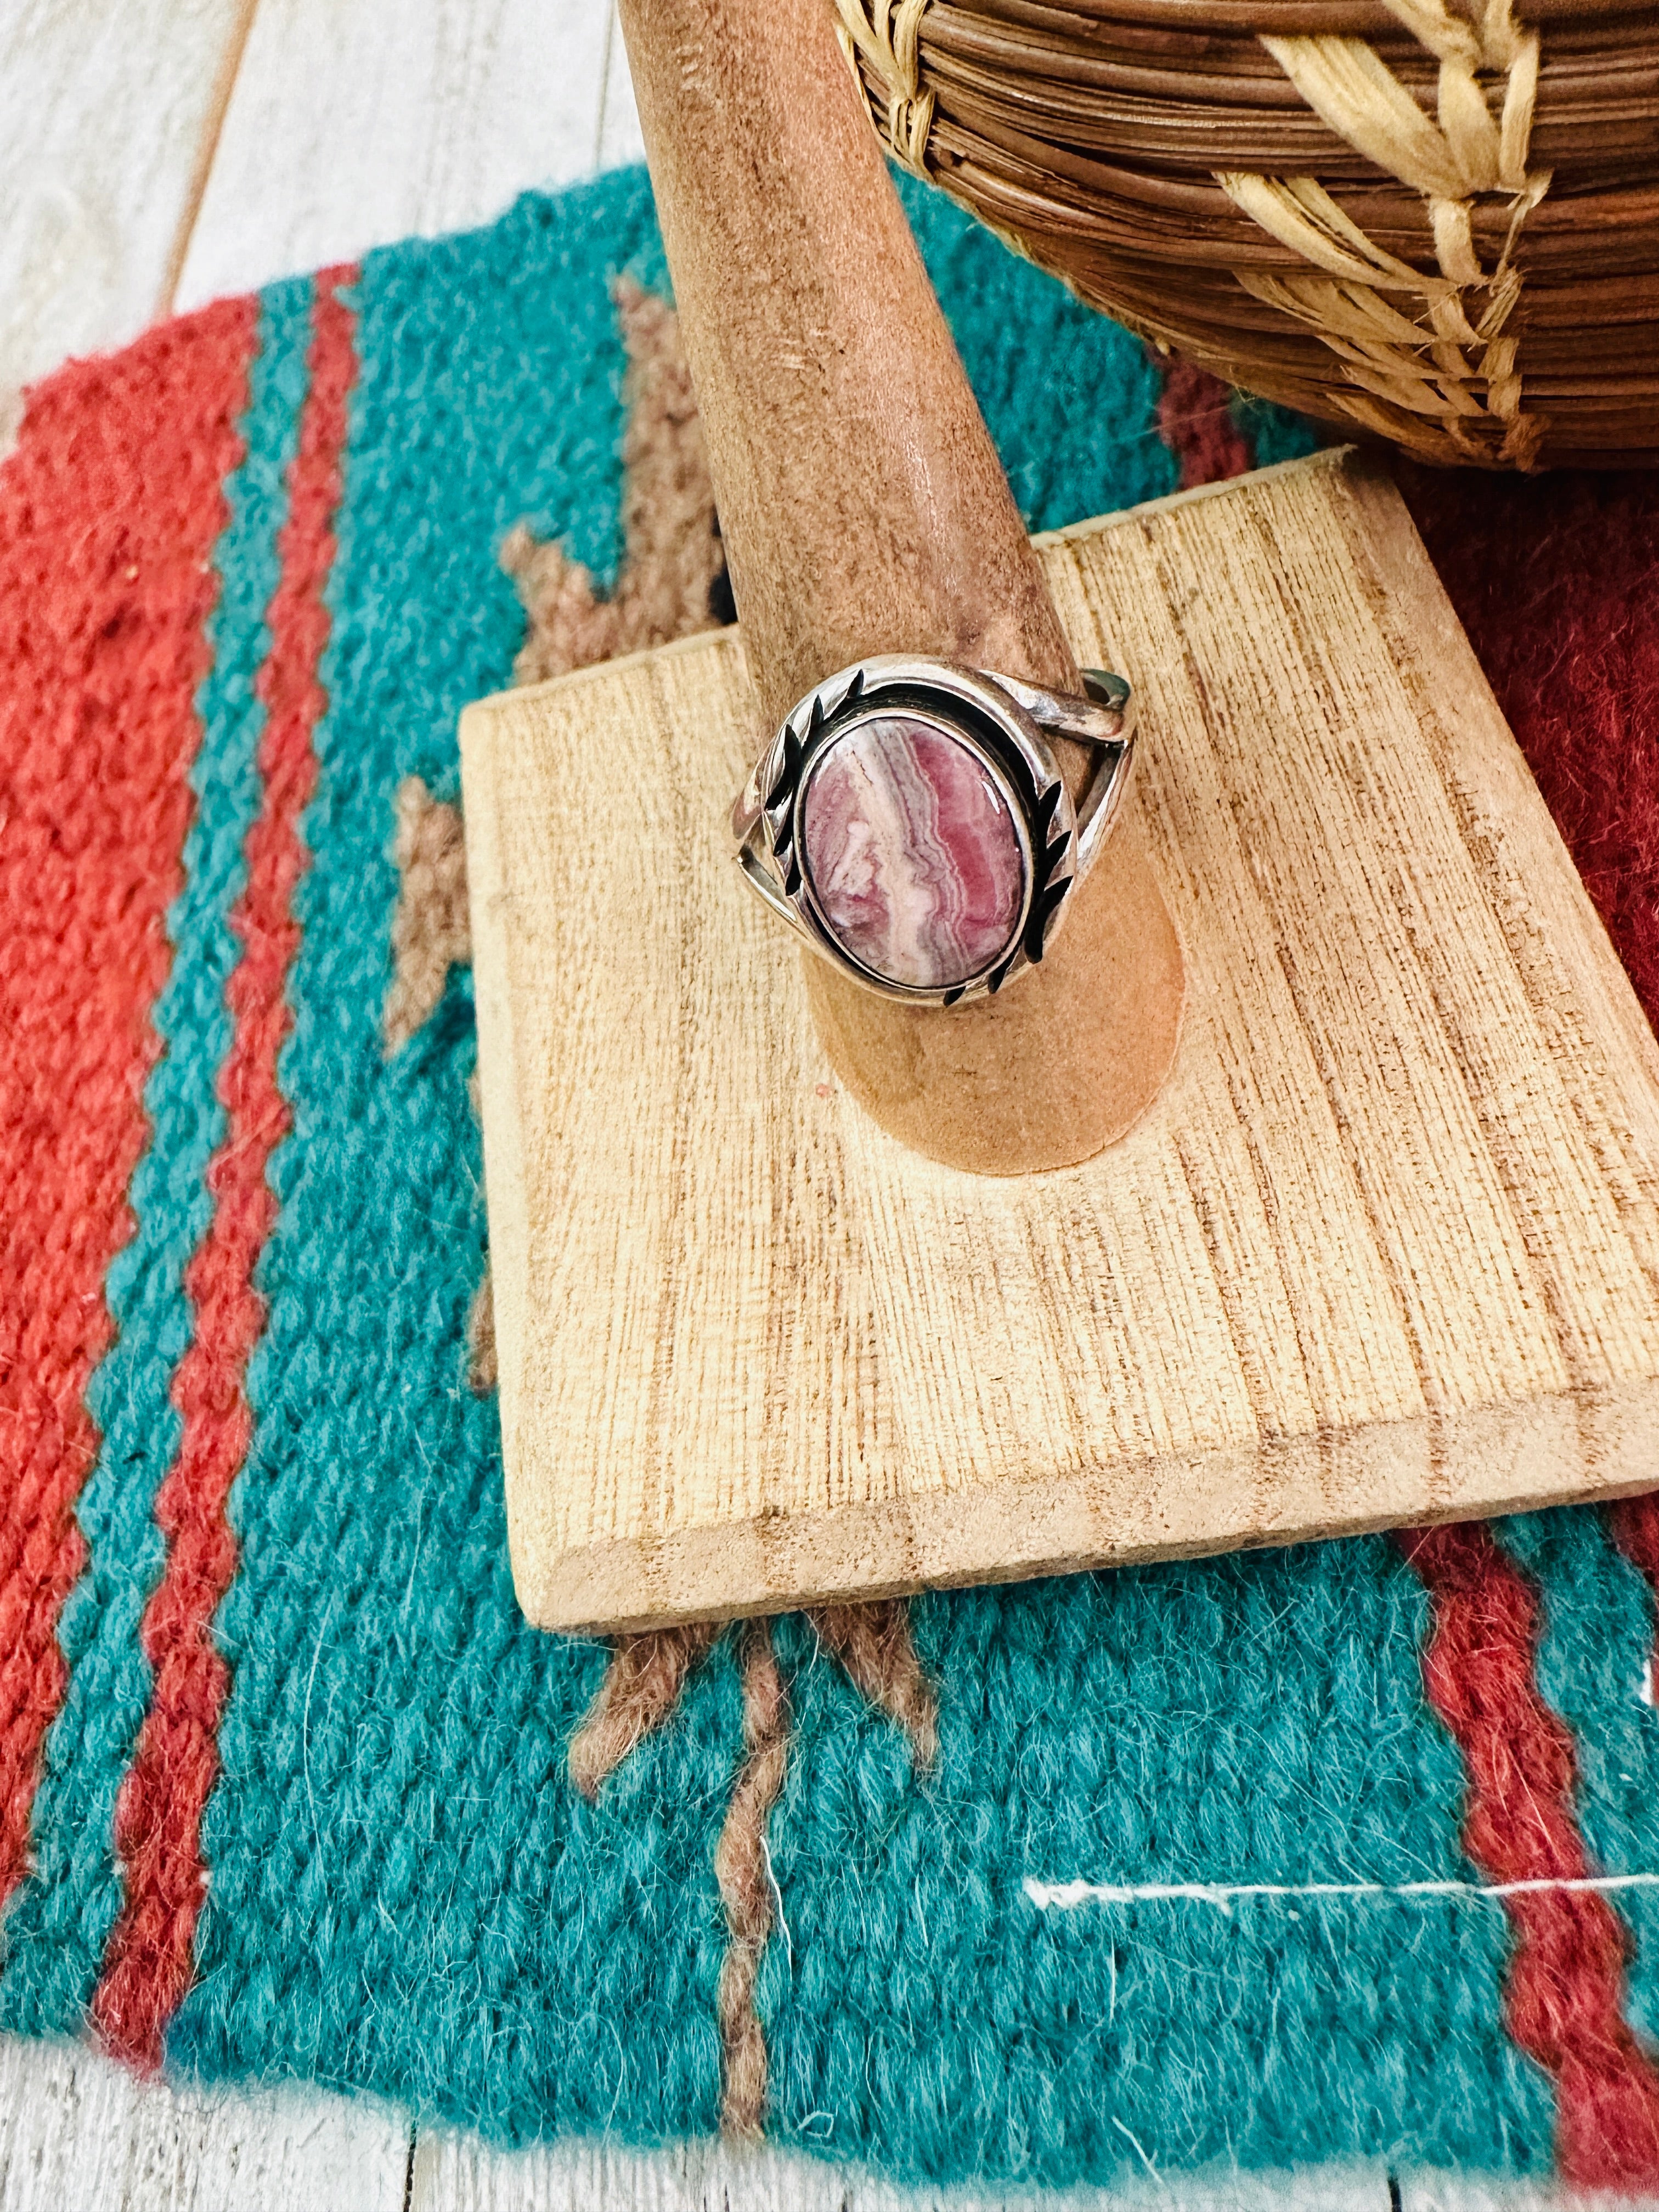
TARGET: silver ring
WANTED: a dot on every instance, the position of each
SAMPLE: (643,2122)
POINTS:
(909,822)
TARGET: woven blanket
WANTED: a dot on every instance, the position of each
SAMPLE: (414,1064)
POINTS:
(1338,1855)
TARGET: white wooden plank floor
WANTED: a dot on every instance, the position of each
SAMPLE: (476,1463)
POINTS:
(79,2134)
(108,111)
(157,154)
(353,123)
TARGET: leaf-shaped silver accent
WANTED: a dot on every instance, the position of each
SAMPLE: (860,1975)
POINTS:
(1044,907)
(782,791)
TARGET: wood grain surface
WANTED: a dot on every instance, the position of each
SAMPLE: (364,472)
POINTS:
(864,510)
(353,125)
(1383,1251)
(107,121)
(457,2174)
(158,154)
(79,2133)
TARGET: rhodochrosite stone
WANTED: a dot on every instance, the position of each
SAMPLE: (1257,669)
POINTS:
(911,852)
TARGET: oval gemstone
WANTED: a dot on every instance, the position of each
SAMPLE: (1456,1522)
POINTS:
(911,852)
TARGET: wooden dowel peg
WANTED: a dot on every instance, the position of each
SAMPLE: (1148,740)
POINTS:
(865,511)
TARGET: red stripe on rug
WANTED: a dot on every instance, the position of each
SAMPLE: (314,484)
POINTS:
(1564,2001)
(1556,580)
(158,1822)
(1635,1525)
(1196,422)
(109,511)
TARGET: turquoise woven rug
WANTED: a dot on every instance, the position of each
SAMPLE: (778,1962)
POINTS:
(1343,1854)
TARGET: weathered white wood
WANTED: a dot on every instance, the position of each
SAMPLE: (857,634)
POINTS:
(106,119)
(1386,1250)
(79,2133)
(457,2174)
(354,124)
(616,141)
(1459,2192)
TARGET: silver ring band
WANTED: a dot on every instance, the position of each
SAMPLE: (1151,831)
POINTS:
(909,822)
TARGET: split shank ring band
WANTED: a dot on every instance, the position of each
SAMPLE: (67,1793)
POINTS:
(909,821)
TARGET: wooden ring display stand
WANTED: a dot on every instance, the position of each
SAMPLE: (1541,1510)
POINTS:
(1385,1246)
(864,511)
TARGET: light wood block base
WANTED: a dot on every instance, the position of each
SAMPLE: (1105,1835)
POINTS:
(1386,1248)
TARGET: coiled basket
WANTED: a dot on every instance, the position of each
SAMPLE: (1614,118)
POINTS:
(1441,226)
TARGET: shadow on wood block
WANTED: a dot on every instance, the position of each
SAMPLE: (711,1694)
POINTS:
(1093,1034)
(1385,1249)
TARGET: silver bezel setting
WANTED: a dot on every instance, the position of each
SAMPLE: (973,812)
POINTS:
(1001,722)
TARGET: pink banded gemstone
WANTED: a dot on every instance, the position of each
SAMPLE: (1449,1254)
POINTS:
(911,852)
